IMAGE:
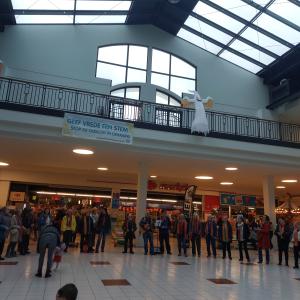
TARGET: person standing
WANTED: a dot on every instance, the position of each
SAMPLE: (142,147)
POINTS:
(146,227)
(27,223)
(225,236)
(242,235)
(296,241)
(5,221)
(15,227)
(211,236)
(195,234)
(284,235)
(49,239)
(263,239)
(164,229)
(95,216)
(68,227)
(85,228)
(103,228)
(182,235)
(129,228)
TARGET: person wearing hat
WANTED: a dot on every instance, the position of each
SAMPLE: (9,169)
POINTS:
(242,235)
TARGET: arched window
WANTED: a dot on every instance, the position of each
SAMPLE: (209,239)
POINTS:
(128,92)
(163,98)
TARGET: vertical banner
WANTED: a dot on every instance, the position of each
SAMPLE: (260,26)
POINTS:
(188,200)
(115,199)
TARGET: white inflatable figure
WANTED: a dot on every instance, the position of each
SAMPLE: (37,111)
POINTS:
(200,123)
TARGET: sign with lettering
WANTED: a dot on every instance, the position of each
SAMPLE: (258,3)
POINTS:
(97,129)
(17,196)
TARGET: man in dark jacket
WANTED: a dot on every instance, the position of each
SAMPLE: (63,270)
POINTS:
(225,236)
(86,228)
(146,228)
(211,236)
(103,228)
(164,228)
(27,221)
(5,220)
(129,228)
(49,238)
(242,235)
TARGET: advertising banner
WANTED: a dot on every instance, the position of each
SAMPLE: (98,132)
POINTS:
(227,199)
(211,202)
(249,200)
(188,200)
(17,196)
(97,129)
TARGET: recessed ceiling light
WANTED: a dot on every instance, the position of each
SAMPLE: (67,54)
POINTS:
(204,177)
(231,168)
(102,169)
(226,183)
(153,176)
(289,180)
(83,151)
(3,164)
(280,187)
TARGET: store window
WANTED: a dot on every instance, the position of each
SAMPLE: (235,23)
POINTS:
(122,63)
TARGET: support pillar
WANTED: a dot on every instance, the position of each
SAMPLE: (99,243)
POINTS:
(269,198)
(4,192)
(141,202)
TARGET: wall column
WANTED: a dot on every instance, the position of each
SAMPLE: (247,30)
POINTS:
(269,198)
(4,192)
(141,202)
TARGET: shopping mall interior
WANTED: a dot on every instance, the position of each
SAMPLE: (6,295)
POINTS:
(184,111)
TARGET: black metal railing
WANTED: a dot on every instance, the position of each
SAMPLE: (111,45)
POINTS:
(55,100)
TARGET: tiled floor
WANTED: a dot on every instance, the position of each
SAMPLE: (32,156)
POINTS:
(150,277)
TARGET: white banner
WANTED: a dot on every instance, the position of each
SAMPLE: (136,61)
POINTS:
(97,128)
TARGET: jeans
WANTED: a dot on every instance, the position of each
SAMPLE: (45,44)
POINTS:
(260,255)
(164,238)
(2,241)
(243,244)
(42,250)
(25,243)
(283,247)
(296,255)
(67,238)
(148,236)
(101,240)
(181,243)
(128,238)
(196,244)
(226,246)
(210,241)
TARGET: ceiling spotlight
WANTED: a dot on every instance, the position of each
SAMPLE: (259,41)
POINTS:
(174,1)
(204,177)
(226,183)
(289,180)
(280,187)
(231,168)
(3,164)
(102,169)
(83,151)
(153,176)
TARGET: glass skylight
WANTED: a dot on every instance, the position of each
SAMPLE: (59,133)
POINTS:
(43,4)
(43,19)
(100,19)
(102,5)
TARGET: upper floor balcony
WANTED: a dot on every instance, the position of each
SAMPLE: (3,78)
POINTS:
(40,98)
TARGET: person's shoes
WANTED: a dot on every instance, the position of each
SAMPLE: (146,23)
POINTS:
(27,252)
(224,257)
(38,275)
(215,256)
(248,260)
(96,251)
(179,254)
(124,252)
(279,264)
(47,275)
(102,250)
(208,255)
(240,259)
(194,254)
(199,255)
(66,250)
(169,253)
(2,258)
(131,252)
(230,257)
(185,255)
(286,265)
(145,253)
(267,263)
(296,267)
(260,262)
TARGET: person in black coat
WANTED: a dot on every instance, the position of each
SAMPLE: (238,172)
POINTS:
(225,236)
(27,222)
(211,236)
(284,234)
(85,228)
(103,227)
(129,227)
(242,235)
(164,228)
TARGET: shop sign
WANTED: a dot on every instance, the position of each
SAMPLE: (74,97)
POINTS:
(227,199)
(242,200)
(249,200)
(97,129)
(115,201)
(17,196)
(179,187)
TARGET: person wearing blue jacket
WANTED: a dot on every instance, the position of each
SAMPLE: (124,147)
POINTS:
(225,236)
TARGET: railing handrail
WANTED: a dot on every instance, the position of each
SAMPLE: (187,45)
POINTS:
(139,102)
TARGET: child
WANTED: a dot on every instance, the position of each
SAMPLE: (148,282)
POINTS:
(58,254)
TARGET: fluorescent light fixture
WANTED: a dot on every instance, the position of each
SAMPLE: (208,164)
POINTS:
(162,200)
(226,183)
(83,151)
(231,168)
(45,193)
(204,177)
(197,202)
(3,164)
(102,169)
(280,187)
(65,194)
(289,180)
(71,194)
(153,176)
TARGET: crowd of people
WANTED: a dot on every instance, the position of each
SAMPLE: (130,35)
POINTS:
(57,233)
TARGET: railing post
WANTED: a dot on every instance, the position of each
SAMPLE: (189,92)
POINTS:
(235,125)
(8,90)
(258,128)
(280,131)
(43,96)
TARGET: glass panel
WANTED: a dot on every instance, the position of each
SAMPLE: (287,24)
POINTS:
(102,19)
(115,54)
(133,93)
(116,110)
(118,93)
(208,30)
(160,80)
(134,75)
(243,63)
(43,4)
(264,41)
(218,17)
(287,10)
(181,68)
(285,32)
(162,98)
(114,73)
(43,19)
(102,5)
(174,102)
(262,2)
(181,85)
(252,52)
(138,57)
(238,7)
(198,41)
(160,61)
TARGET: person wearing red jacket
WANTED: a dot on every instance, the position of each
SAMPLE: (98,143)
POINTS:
(182,235)
(263,239)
